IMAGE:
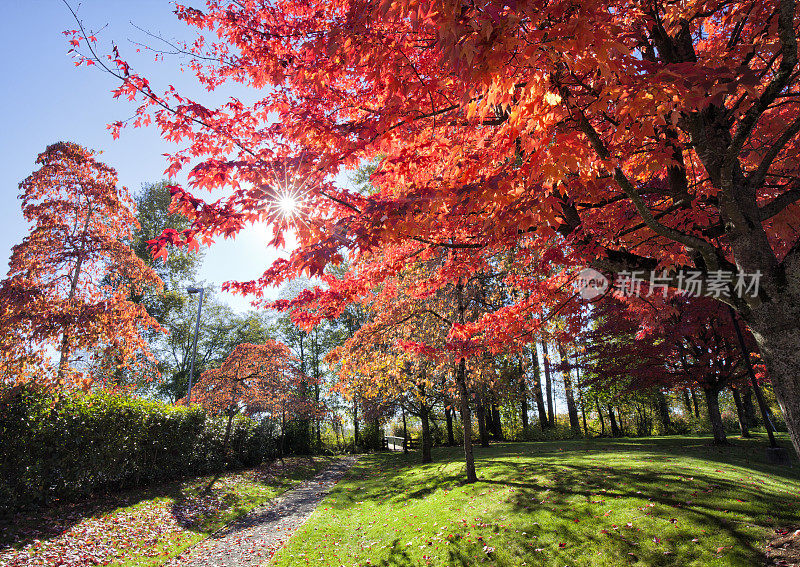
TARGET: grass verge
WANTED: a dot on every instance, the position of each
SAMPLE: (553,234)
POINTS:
(145,527)
(655,501)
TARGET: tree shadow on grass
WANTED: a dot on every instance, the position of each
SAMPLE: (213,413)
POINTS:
(22,528)
(397,556)
(578,492)
(682,501)
(200,510)
(746,453)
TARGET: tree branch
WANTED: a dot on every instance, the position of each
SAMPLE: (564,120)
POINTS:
(780,202)
(708,251)
(786,15)
(756,179)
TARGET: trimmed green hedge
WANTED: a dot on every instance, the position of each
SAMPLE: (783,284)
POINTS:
(66,447)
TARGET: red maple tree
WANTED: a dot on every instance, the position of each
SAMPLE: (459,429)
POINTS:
(255,379)
(628,135)
(57,291)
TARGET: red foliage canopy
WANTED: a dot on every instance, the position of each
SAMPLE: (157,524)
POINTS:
(70,280)
(256,378)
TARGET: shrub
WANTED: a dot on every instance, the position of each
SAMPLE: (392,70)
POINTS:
(65,447)
(371,437)
(298,437)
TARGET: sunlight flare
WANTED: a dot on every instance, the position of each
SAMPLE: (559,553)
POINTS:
(287,205)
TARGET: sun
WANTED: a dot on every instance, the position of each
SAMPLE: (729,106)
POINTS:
(287,204)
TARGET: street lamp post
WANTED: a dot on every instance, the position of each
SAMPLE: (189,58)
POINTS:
(193,290)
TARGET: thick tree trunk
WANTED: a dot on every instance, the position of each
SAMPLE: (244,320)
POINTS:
(615,432)
(537,390)
(740,414)
(663,411)
(548,384)
(424,415)
(714,416)
(776,329)
(572,410)
(466,421)
(448,415)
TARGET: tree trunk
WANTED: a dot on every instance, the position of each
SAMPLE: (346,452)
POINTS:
(687,403)
(774,317)
(762,404)
(620,422)
(424,415)
(694,401)
(317,420)
(466,421)
(73,287)
(461,379)
(355,423)
(537,390)
(448,414)
(602,421)
(548,384)
(405,430)
(583,416)
(487,419)
(497,427)
(580,397)
(615,432)
(663,411)
(523,392)
(572,410)
(740,414)
(480,414)
(283,434)
(712,401)
(749,407)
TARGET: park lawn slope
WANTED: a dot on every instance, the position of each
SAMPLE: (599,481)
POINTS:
(146,527)
(656,501)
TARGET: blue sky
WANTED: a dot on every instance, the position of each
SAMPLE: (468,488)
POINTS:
(45,98)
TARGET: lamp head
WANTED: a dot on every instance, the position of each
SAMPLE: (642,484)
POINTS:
(194,289)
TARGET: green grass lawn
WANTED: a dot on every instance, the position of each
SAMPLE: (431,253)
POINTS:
(145,527)
(656,501)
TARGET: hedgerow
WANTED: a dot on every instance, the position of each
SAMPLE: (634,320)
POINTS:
(67,446)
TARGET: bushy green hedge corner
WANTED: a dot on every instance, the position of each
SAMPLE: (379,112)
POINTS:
(66,447)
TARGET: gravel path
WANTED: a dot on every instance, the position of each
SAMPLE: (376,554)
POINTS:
(254,539)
